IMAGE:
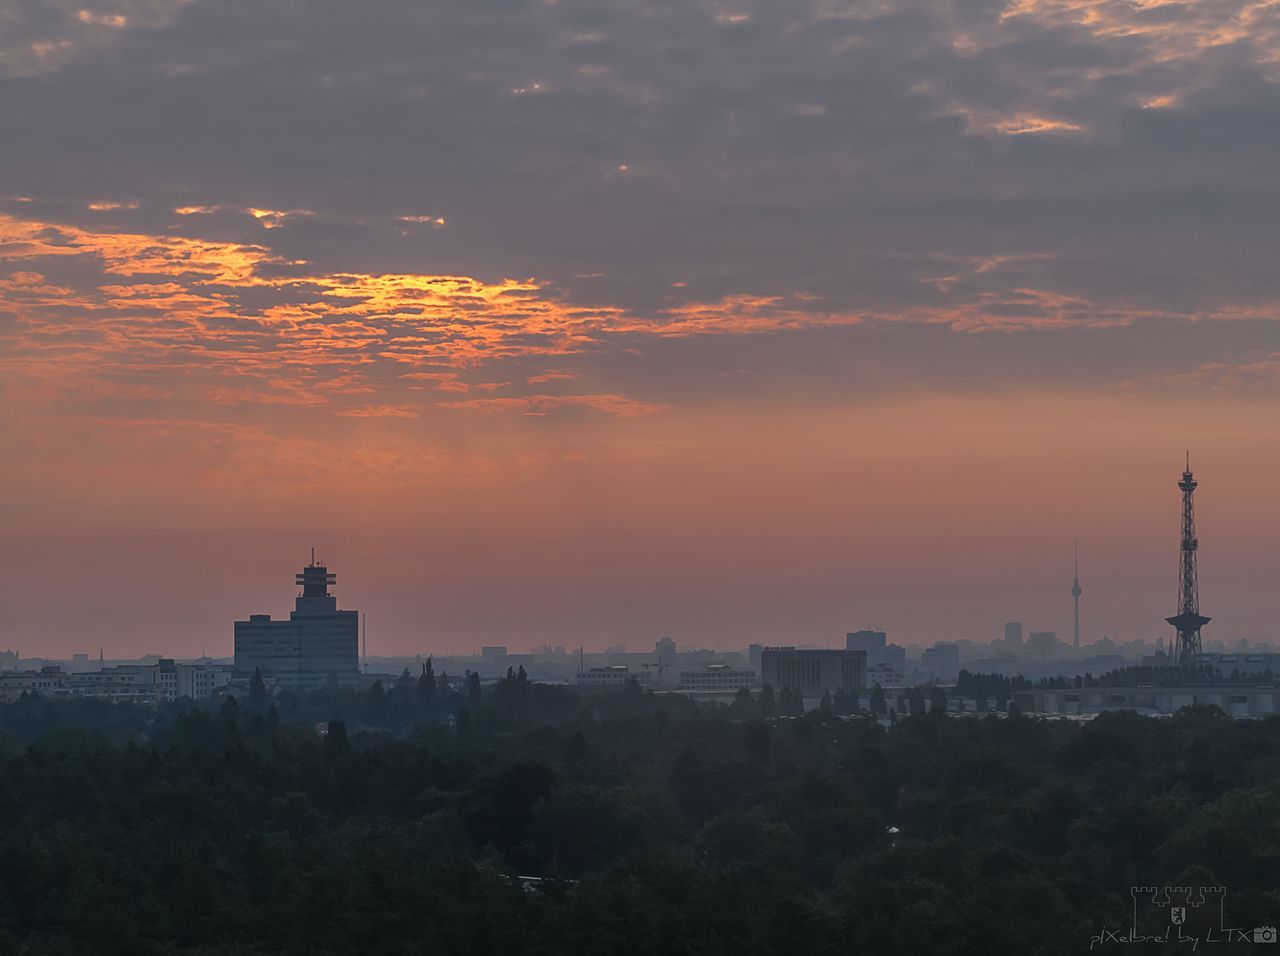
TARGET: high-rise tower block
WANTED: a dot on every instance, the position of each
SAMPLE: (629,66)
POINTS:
(1188,620)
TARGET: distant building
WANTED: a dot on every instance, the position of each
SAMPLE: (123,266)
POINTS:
(1042,644)
(813,671)
(941,662)
(665,650)
(1013,634)
(886,675)
(718,679)
(48,682)
(872,642)
(1236,701)
(614,676)
(201,681)
(125,683)
(317,643)
(1243,663)
(753,654)
(493,653)
(1006,664)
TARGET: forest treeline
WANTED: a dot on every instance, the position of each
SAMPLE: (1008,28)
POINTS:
(399,820)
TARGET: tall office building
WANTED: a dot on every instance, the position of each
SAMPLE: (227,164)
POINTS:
(1042,644)
(317,643)
(1013,634)
(873,642)
(813,671)
(941,662)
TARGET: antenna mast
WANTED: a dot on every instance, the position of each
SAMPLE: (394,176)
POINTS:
(1076,591)
(1188,620)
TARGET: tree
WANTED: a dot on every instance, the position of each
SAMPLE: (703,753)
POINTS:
(474,692)
(405,684)
(840,702)
(257,689)
(877,700)
(937,700)
(379,707)
(824,705)
(757,740)
(768,707)
(427,684)
(335,738)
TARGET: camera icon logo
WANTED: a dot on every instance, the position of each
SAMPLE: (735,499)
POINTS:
(1264,934)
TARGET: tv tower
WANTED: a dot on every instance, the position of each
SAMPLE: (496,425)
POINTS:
(1188,620)
(1076,591)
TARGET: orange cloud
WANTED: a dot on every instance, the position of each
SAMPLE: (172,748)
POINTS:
(238,324)
(618,405)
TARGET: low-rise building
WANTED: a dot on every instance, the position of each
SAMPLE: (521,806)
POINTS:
(886,675)
(718,679)
(47,681)
(1236,701)
(125,683)
(614,676)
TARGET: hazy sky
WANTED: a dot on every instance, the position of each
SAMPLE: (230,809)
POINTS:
(585,323)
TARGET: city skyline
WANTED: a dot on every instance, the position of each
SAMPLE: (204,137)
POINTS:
(397,645)
(599,322)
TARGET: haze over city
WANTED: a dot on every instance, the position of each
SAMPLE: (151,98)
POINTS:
(586,325)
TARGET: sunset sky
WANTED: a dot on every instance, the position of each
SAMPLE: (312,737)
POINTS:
(585,323)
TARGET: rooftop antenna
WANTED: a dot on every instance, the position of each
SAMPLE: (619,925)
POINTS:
(364,617)
(313,557)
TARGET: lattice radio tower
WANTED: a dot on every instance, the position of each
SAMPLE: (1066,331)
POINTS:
(1188,620)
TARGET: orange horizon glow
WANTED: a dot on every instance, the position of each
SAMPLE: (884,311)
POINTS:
(161,390)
